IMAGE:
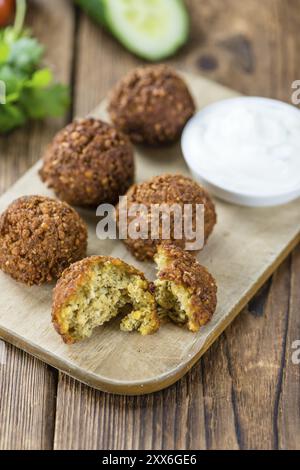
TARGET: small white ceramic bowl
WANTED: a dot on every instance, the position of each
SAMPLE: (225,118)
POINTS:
(242,198)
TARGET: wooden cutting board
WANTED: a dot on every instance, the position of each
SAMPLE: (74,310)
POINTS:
(246,247)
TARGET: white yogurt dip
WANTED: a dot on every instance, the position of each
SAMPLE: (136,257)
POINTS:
(247,150)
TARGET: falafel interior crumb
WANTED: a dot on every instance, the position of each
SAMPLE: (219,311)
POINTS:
(174,300)
(109,292)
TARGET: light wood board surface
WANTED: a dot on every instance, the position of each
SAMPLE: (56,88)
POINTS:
(246,247)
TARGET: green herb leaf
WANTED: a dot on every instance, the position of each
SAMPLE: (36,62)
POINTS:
(25,54)
(40,79)
(30,92)
(12,78)
(39,103)
(4,52)
(11,117)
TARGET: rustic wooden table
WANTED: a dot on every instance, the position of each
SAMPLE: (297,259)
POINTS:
(245,392)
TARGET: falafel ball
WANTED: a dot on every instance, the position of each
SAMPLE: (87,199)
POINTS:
(165,191)
(185,291)
(95,290)
(152,105)
(89,163)
(39,239)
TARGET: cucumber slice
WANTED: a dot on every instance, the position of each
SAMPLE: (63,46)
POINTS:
(151,29)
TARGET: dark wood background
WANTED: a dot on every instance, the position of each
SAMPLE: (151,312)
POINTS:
(245,392)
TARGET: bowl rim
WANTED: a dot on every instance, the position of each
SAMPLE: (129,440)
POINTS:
(239,196)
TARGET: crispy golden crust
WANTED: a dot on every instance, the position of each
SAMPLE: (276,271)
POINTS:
(184,270)
(88,163)
(39,239)
(77,275)
(167,189)
(151,104)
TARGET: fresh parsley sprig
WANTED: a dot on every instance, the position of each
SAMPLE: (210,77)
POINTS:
(30,90)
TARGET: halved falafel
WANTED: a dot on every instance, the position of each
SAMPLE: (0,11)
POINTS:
(185,291)
(97,289)
(89,163)
(39,238)
(152,105)
(164,191)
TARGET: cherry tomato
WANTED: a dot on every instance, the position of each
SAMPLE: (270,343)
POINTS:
(7,8)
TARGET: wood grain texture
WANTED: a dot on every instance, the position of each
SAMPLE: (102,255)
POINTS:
(27,402)
(253,47)
(172,419)
(28,387)
(256,368)
(288,411)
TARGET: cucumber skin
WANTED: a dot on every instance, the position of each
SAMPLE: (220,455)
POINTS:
(95,9)
(98,11)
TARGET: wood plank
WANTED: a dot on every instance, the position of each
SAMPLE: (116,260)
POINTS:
(27,402)
(256,349)
(94,46)
(219,399)
(101,61)
(258,53)
(249,46)
(28,387)
(288,411)
(234,45)
(172,419)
